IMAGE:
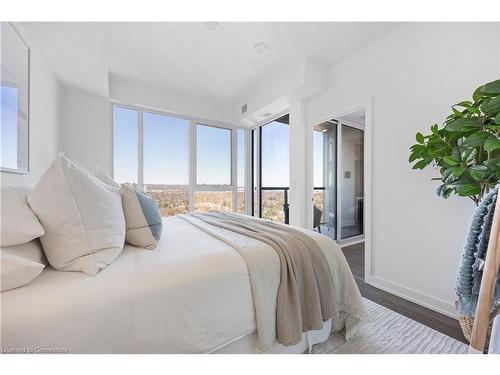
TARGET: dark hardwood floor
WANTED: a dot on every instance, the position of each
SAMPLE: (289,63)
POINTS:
(355,256)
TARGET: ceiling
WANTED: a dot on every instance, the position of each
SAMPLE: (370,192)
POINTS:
(187,56)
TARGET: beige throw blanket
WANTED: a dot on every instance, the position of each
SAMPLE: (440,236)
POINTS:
(305,292)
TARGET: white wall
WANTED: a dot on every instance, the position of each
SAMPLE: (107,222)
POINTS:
(132,92)
(414,74)
(86,127)
(44,129)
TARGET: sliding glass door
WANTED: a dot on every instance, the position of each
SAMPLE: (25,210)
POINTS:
(351,182)
(338,194)
(271,170)
(325,179)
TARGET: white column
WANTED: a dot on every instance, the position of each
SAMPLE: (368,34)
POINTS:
(300,195)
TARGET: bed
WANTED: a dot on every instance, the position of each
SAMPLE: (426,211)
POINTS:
(192,294)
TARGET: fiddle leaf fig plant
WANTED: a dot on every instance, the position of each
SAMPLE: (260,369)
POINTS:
(466,148)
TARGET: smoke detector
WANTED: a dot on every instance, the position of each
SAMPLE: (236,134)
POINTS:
(261,49)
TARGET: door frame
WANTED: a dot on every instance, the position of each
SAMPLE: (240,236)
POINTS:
(365,105)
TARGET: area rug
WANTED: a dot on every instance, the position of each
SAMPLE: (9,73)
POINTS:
(387,332)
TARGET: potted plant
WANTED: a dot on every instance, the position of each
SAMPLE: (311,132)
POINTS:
(466,149)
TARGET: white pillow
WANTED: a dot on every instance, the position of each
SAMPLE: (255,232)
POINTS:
(106,179)
(18,222)
(20,264)
(83,219)
(142,215)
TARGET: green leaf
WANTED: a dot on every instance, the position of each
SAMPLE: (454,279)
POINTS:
(422,164)
(463,124)
(497,119)
(464,103)
(414,156)
(447,192)
(492,106)
(447,175)
(491,88)
(468,189)
(477,94)
(491,143)
(451,161)
(469,107)
(420,138)
(458,171)
(469,155)
(479,172)
(476,139)
(435,130)
(493,164)
(439,190)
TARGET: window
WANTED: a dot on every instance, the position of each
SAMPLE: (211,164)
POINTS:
(213,169)
(205,201)
(241,171)
(213,155)
(165,149)
(14,101)
(271,170)
(183,165)
(125,144)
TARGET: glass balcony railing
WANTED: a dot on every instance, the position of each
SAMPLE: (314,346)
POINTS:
(275,204)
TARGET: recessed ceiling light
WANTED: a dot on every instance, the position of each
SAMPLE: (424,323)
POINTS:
(212,25)
(261,49)
(266,114)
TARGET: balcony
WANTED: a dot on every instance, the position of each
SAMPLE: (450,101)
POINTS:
(275,204)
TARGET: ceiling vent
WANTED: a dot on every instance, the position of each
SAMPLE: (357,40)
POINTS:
(243,108)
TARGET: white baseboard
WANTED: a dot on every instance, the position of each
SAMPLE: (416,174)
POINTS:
(433,303)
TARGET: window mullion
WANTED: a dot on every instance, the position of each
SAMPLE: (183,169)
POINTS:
(192,164)
(140,148)
(234,169)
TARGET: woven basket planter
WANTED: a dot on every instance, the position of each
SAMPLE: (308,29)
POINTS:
(467,322)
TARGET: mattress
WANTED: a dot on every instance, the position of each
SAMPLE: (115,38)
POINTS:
(191,294)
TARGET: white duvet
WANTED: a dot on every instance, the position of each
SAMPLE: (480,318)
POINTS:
(192,294)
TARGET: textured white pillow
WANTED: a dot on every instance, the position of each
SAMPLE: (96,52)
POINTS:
(18,222)
(83,219)
(20,264)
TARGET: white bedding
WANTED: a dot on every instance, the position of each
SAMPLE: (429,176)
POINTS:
(191,294)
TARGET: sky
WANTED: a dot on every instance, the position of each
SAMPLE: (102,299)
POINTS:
(165,147)
(8,121)
(275,155)
(166,141)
